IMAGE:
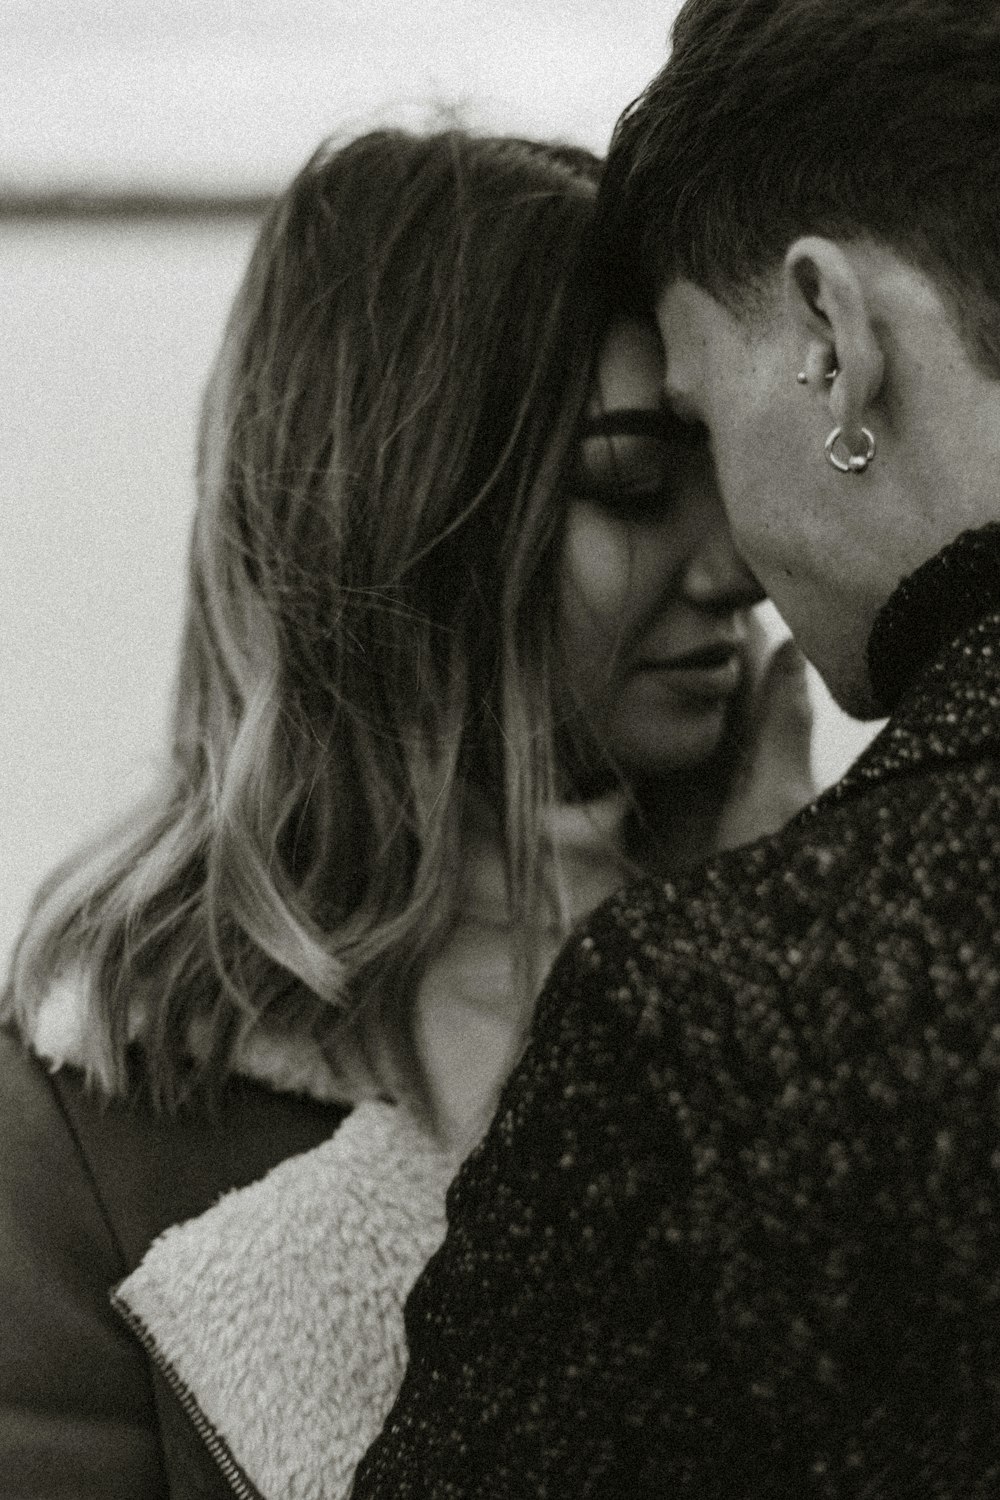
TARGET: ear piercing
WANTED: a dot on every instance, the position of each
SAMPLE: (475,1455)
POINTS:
(843,460)
(830,376)
(854,463)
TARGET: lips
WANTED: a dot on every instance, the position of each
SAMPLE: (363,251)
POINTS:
(707,673)
(718,655)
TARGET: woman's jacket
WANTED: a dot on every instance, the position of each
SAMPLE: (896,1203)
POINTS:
(203,1306)
(212,1306)
(85,1189)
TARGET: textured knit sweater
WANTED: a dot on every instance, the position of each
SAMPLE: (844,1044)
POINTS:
(735,1231)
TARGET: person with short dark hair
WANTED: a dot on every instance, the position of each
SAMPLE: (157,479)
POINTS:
(733,1232)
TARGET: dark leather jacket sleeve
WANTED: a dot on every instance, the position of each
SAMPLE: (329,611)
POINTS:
(77,1417)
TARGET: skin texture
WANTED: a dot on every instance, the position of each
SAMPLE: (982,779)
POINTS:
(830,548)
(649,574)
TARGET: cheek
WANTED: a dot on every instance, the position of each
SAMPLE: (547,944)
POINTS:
(753,448)
(762,498)
(595,579)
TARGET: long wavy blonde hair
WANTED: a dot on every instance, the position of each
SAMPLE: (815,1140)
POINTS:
(369,628)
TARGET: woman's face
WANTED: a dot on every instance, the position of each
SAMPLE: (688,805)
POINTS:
(653,597)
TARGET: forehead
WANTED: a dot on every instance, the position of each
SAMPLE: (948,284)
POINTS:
(687,311)
(709,350)
(629,371)
(697,332)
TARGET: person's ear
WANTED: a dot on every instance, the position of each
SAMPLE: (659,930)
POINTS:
(825,299)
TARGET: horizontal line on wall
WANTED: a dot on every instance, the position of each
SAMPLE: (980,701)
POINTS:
(112,204)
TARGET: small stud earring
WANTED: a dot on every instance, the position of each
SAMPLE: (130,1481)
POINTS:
(830,376)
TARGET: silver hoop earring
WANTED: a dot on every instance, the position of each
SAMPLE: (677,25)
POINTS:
(854,463)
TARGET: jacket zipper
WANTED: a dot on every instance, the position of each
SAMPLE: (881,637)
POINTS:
(242,1487)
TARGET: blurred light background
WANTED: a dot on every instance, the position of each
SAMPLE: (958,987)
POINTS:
(138,139)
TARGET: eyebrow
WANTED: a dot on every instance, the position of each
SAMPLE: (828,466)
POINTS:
(629,421)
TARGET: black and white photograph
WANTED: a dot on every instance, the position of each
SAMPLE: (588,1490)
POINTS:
(500,682)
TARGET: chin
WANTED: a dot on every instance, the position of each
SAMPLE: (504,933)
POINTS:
(650,752)
(838,651)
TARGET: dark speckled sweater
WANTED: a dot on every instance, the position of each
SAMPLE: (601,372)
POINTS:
(735,1231)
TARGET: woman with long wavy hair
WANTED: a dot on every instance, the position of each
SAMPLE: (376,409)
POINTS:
(466,643)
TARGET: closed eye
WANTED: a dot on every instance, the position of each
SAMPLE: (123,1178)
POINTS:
(629,461)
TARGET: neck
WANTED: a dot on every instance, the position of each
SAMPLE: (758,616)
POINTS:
(583,861)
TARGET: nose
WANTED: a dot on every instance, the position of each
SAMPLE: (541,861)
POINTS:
(716,576)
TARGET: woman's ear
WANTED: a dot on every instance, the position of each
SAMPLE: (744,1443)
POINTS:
(827,305)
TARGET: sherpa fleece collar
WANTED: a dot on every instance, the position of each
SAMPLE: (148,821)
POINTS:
(284,1062)
(277,1316)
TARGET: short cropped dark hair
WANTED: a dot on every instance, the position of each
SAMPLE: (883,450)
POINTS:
(848,118)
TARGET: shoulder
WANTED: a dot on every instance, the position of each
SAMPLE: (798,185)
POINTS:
(74,1391)
(772,989)
(913,857)
(85,1186)
(47,1193)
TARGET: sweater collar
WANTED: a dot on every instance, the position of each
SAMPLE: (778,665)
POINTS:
(935,653)
(936,604)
